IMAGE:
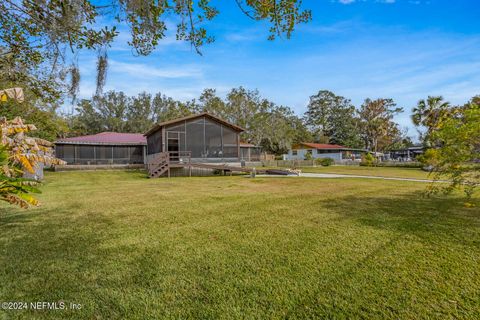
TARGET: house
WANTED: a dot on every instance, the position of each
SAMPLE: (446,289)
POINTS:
(407,154)
(205,137)
(320,150)
(106,148)
(202,142)
(176,144)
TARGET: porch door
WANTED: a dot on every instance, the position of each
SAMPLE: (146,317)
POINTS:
(173,145)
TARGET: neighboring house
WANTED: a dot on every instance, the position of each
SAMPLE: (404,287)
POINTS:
(206,138)
(321,150)
(104,148)
(407,154)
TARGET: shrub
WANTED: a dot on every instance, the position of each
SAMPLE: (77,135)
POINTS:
(308,156)
(368,160)
(325,161)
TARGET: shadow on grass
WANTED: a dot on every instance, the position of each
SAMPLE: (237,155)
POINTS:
(446,233)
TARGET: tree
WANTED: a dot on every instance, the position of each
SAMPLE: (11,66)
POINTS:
(343,127)
(87,120)
(428,115)
(166,108)
(376,123)
(115,111)
(40,40)
(458,152)
(320,109)
(273,127)
(332,119)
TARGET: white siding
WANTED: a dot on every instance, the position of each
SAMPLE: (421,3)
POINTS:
(302,152)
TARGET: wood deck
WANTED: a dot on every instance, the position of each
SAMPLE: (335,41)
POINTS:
(161,163)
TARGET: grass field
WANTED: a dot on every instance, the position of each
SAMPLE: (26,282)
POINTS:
(125,247)
(390,172)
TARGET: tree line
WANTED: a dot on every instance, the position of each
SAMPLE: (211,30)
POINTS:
(329,118)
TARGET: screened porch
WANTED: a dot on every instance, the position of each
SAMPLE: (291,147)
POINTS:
(203,137)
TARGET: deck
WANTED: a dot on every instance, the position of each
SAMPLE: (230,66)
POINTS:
(161,163)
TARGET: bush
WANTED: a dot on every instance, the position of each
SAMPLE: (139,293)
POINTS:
(368,160)
(325,161)
(308,156)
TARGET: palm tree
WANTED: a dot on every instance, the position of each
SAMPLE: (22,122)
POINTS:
(429,114)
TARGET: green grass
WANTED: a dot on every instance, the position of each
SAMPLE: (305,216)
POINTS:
(390,172)
(126,247)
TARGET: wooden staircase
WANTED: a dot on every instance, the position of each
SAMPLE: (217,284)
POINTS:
(159,165)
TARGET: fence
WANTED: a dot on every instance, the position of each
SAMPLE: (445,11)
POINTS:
(303,163)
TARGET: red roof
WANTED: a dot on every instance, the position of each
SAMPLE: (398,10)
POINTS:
(107,138)
(323,145)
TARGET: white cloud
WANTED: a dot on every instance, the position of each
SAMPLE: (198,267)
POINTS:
(144,71)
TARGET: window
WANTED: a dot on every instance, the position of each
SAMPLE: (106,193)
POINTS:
(103,154)
(196,138)
(230,143)
(136,154)
(294,152)
(120,154)
(65,152)
(213,139)
(85,154)
(154,142)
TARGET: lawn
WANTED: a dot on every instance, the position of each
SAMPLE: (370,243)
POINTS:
(390,172)
(125,247)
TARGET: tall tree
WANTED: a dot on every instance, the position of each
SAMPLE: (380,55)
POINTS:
(377,127)
(139,117)
(113,110)
(273,127)
(333,119)
(320,109)
(428,115)
(166,108)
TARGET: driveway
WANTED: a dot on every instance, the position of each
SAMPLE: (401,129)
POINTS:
(334,175)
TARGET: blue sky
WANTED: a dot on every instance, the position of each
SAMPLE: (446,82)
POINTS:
(400,49)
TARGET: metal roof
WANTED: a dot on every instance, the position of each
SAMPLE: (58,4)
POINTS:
(191,117)
(107,138)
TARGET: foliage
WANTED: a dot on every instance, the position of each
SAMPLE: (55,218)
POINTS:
(49,124)
(325,162)
(332,119)
(115,111)
(20,154)
(266,124)
(40,40)
(368,160)
(15,190)
(308,156)
(458,154)
(377,127)
(429,114)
